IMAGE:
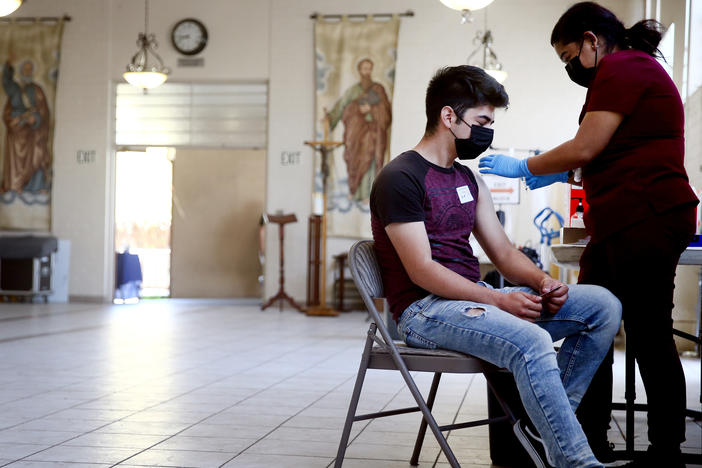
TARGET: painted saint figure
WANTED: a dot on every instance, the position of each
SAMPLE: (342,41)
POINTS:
(26,117)
(366,113)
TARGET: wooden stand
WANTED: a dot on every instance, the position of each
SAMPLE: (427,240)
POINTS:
(281,295)
(325,147)
(314,259)
(340,261)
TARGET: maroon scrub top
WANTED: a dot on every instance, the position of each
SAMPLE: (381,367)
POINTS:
(640,172)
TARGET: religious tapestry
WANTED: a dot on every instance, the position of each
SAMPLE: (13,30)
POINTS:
(355,76)
(29,53)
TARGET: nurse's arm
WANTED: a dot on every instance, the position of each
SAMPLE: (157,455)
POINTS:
(593,136)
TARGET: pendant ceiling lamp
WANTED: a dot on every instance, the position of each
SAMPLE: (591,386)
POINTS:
(466,6)
(8,6)
(146,69)
(484,56)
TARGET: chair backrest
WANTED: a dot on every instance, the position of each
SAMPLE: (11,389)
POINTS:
(365,269)
(365,272)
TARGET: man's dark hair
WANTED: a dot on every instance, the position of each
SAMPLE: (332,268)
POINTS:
(461,88)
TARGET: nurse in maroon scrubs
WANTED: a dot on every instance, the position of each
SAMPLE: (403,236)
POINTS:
(630,146)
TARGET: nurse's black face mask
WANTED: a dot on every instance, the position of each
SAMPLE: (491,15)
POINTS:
(470,148)
(579,74)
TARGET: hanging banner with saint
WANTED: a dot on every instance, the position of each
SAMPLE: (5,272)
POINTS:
(355,77)
(29,53)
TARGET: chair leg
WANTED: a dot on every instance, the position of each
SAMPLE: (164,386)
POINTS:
(414,461)
(353,405)
(501,401)
(450,457)
(629,394)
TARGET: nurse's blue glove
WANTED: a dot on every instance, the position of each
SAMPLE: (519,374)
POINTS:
(535,182)
(505,166)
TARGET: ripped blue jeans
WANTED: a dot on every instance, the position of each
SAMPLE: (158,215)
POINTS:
(550,385)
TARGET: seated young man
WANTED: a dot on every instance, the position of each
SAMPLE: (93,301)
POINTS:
(424,207)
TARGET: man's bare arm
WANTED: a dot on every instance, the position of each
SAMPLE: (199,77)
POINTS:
(412,245)
(513,264)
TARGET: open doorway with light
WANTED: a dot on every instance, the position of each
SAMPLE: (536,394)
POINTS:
(193,218)
(143,205)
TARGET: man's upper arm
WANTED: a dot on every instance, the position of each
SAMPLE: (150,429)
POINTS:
(411,243)
(397,202)
(487,230)
(397,194)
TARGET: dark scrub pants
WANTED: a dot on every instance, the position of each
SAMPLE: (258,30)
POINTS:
(638,264)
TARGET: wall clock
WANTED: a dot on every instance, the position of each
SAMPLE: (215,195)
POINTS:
(189,36)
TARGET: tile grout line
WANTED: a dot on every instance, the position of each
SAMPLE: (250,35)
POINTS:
(232,405)
(616,423)
(136,412)
(105,324)
(286,420)
(303,409)
(88,309)
(455,416)
(113,392)
(196,309)
(392,398)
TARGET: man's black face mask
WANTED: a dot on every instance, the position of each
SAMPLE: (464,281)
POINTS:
(470,148)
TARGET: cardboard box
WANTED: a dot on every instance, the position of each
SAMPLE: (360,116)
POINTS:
(567,253)
(571,235)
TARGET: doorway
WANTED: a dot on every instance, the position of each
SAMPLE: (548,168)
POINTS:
(218,200)
(143,201)
(203,239)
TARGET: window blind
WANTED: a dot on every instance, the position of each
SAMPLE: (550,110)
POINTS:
(229,115)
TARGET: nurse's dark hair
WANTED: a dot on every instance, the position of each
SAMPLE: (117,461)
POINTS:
(461,88)
(589,16)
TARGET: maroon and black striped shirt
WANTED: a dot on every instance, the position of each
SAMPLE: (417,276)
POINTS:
(412,189)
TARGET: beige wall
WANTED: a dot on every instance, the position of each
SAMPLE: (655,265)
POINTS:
(218,201)
(673,11)
(272,40)
(686,281)
(695,41)
(98,43)
(543,111)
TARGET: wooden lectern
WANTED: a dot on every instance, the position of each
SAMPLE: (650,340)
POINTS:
(281,296)
(325,148)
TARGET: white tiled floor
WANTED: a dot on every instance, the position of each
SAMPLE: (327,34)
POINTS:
(210,384)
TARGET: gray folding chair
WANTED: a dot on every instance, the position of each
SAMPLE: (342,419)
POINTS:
(383,353)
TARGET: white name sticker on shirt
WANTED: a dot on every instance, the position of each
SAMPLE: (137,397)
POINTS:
(464,194)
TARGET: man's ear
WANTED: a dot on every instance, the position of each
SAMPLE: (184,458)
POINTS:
(447,116)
